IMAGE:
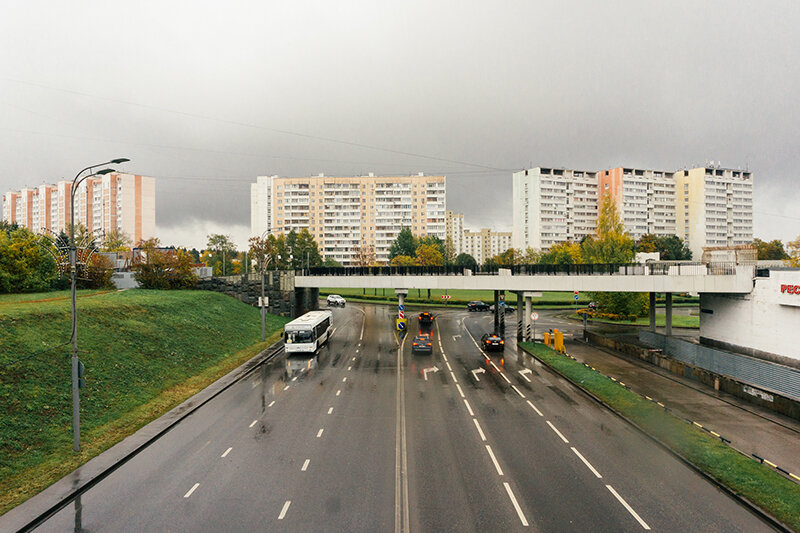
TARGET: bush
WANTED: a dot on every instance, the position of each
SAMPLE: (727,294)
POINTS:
(164,269)
(24,265)
(633,304)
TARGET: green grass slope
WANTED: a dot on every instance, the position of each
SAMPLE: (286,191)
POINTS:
(144,352)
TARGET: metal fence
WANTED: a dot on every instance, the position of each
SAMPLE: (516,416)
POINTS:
(765,374)
(610,269)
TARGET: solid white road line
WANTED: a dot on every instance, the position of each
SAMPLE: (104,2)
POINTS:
(330,410)
(582,458)
(468,407)
(305,465)
(480,431)
(516,505)
(557,432)
(191,490)
(271,403)
(253,423)
(226,452)
(461,392)
(494,460)
(538,412)
(628,507)
(285,508)
(319,433)
(517,390)
(338,392)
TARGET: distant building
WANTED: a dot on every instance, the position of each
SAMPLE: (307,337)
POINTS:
(113,202)
(345,213)
(645,199)
(485,243)
(454,230)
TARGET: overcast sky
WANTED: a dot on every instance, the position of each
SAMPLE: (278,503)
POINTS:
(205,96)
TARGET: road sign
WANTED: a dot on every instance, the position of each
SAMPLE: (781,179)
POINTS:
(263,301)
(401,324)
(576,292)
(401,315)
(534,316)
(445,296)
(576,296)
(401,307)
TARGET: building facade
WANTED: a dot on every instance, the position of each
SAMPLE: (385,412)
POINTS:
(345,214)
(113,202)
(704,206)
(454,230)
(645,199)
(485,243)
(553,205)
(714,207)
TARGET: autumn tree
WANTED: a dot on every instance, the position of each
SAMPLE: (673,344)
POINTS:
(220,253)
(793,251)
(402,260)
(449,251)
(772,250)
(364,255)
(531,256)
(562,253)
(116,241)
(429,255)
(159,268)
(24,265)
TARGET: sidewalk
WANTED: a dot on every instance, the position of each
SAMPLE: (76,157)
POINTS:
(750,428)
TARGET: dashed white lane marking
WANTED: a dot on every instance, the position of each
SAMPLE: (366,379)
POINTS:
(468,407)
(344,379)
(354,358)
(480,431)
(338,392)
(516,505)
(356,350)
(448,366)
(271,403)
(628,507)
(443,355)
(305,465)
(349,368)
(253,423)
(500,372)
(294,378)
(517,390)
(286,387)
(330,410)
(285,508)
(494,460)
(193,489)
(226,452)
(319,433)
(557,432)
(453,376)
(587,463)
(538,412)
(461,392)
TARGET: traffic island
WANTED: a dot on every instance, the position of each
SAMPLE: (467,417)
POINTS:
(777,496)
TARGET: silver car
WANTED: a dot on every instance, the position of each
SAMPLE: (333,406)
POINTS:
(334,300)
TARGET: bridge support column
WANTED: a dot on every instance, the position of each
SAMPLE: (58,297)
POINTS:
(668,322)
(520,319)
(653,312)
(497,311)
(528,310)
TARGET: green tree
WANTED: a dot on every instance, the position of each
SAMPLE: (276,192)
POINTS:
(221,251)
(772,250)
(610,244)
(672,248)
(331,263)
(116,241)
(449,251)
(793,251)
(531,256)
(402,260)
(562,253)
(305,250)
(195,255)
(510,257)
(24,265)
(429,255)
(625,304)
(404,244)
(647,243)
(466,260)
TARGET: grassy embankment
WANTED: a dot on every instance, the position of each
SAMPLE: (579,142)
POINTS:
(678,321)
(144,351)
(761,485)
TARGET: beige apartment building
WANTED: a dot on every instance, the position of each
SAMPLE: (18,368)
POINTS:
(347,213)
(113,202)
(454,230)
(485,243)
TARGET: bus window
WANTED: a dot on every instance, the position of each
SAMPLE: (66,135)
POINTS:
(300,337)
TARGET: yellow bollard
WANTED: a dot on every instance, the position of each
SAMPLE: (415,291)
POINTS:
(547,339)
(559,341)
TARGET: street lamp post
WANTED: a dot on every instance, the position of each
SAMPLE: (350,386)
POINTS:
(73,263)
(263,274)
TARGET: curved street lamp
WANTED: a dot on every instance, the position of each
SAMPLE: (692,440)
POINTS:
(73,257)
(264,236)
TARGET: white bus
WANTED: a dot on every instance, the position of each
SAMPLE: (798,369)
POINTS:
(307,333)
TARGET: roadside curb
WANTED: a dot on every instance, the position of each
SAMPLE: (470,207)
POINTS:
(31,513)
(744,501)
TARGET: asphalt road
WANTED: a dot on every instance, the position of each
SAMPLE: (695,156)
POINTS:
(366,437)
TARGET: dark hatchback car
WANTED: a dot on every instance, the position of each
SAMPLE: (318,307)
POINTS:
(425,320)
(422,344)
(492,342)
(476,305)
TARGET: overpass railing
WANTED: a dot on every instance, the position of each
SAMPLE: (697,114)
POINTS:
(608,269)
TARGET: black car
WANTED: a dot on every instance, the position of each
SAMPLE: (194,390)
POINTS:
(422,344)
(425,320)
(491,342)
(477,305)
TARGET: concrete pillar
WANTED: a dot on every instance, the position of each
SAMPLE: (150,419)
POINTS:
(653,312)
(520,319)
(668,322)
(528,310)
(496,311)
